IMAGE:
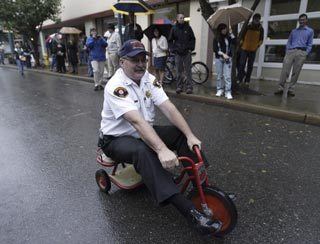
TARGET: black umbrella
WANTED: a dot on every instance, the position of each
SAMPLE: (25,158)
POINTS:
(163,28)
(135,6)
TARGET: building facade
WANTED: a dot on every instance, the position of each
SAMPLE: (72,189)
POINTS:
(279,17)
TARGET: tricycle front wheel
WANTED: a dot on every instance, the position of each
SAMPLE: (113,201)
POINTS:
(221,205)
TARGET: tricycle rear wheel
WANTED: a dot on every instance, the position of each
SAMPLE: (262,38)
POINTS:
(220,204)
(103,180)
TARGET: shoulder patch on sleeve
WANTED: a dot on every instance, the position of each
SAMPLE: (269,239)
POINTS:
(156,83)
(120,92)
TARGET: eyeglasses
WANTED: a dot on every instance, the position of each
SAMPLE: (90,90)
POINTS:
(137,60)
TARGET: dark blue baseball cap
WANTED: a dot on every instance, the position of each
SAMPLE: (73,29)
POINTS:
(132,48)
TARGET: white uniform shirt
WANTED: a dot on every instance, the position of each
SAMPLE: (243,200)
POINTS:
(122,95)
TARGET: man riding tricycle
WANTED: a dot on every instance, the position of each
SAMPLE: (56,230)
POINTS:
(147,152)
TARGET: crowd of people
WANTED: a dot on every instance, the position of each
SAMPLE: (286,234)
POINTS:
(298,47)
(102,52)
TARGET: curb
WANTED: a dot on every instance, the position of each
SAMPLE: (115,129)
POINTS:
(312,119)
(75,77)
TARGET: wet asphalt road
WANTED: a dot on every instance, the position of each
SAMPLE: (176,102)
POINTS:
(48,194)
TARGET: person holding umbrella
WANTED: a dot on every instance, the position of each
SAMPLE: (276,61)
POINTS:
(159,51)
(72,49)
(132,30)
(52,46)
(223,46)
(60,50)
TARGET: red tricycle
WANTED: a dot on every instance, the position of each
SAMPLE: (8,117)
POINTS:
(210,200)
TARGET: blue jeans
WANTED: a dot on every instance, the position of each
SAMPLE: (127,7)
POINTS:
(20,65)
(90,69)
(223,70)
(83,57)
(53,62)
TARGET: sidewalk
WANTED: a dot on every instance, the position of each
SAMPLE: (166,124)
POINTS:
(260,99)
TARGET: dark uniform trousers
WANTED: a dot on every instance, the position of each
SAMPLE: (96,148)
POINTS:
(128,149)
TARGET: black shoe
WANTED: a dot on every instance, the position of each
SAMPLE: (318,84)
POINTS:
(291,94)
(179,90)
(96,88)
(279,92)
(203,224)
(189,91)
(101,87)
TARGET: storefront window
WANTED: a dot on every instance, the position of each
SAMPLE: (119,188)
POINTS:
(274,53)
(281,29)
(315,25)
(279,7)
(165,15)
(313,5)
(102,24)
(314,56)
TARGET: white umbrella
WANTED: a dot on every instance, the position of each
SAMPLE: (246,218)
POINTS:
(229,15)
(69,30)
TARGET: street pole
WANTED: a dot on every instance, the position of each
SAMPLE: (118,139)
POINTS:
(119,25)
(119,16)
(11,43)
(43,49)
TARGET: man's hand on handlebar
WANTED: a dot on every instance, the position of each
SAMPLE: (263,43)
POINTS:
(193,141)
(168,159)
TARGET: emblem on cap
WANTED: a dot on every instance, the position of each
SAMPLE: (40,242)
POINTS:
(157,83)
(120,92)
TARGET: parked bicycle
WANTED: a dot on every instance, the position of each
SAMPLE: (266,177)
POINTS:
(199,71)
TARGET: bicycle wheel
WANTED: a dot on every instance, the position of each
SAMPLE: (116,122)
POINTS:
(169,73)
(168,76)
(220,204)
(199,72)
